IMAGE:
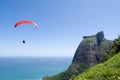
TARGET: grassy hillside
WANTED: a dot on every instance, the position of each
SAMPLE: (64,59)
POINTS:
(66,75)
(109,70)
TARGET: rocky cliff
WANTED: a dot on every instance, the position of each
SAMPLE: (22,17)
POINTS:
(88,53)
(91,49)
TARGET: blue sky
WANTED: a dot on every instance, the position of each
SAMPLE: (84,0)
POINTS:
(62,24)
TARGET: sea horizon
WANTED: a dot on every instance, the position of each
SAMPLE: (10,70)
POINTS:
(32,68)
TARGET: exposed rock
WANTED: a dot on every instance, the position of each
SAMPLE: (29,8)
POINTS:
(91,49)
(100,37)
(88,53)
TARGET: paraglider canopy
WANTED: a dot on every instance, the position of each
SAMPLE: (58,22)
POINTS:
(25,22)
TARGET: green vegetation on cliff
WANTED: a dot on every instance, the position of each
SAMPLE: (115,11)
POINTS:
(114,50)
(73,70)
(109,70)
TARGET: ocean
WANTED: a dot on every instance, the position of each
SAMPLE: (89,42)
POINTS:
(31,68)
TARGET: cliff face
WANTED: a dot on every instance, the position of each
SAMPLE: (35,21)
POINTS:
(88,53)
(91,49)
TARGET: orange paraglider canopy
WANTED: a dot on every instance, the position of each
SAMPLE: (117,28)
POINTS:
(25,22)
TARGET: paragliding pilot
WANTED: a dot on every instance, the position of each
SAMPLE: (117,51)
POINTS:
(24,41)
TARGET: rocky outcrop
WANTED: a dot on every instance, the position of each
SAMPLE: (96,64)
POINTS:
(88,53)
(91,49)
(100,37)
